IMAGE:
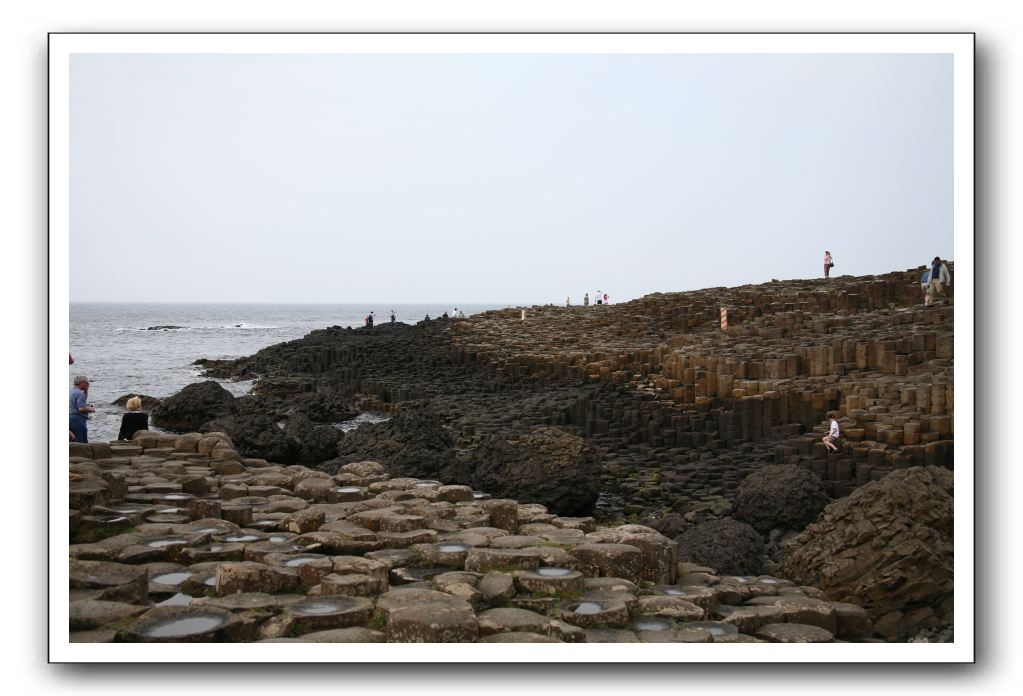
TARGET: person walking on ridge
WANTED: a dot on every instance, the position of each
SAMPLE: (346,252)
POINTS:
(392,316)
(79,409)
(600,298)
(828,263)
(939,279)
(586,300)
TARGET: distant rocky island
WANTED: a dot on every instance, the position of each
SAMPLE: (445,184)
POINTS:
(618,473)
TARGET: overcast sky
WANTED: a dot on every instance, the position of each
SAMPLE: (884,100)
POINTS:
(499,178)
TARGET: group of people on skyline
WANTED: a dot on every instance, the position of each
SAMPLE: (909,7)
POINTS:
(79,410)
(599,298)
(933,282)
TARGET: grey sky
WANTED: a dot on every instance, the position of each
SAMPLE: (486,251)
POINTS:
(499,178)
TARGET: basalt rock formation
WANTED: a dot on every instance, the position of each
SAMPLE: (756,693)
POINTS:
(413,443)
(728,545)
(257,436)
(545,465)
(148,402)
(181,539)
(889,547)
(781,496)
(193,406)
(676,409)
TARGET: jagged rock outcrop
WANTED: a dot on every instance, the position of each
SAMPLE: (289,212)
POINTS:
(193,406)
(887,547)
(413,443)
(727,545)
(148,402)
(257,436)
(318,443)
(781,496)
(546,465)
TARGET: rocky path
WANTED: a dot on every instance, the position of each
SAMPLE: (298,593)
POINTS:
(182,539)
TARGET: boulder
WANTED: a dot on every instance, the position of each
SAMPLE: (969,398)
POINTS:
(546,466)
(886,547)
(779,495)
(257,436)
(148,402)
(726,545)
(317,443)
(194,405)
(413,443)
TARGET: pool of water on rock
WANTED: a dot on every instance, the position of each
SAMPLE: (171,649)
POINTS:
(453,548)
(651,623)
(171,578)
(185,626)
(322,607)
(588,608)
(160,543)
(552,571)
(295,562)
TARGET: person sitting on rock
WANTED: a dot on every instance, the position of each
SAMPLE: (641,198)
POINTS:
(831,439)
(134,420)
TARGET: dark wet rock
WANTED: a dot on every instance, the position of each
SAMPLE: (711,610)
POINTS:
(317,443)
(148,402)
(888,547)
(779,495)
(413,443)
(727,545)
(546,465)
(163,327)
(257,436)
(193,406)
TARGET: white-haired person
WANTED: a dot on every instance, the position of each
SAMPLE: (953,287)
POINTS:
(79,409)
(134,420)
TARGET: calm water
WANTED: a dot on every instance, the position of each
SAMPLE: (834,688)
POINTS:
(112,346)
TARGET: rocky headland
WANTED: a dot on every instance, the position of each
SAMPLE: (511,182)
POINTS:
(630,472)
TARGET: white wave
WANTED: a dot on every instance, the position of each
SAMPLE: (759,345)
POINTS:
(246,325)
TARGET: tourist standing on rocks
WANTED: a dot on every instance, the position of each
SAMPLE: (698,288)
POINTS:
(607,300)
(568,301)
(828,263)
(600,298)
(831,439)
(79,409)
(586,300)
(925,286)
(461,314)
(392,316)
(134,420)
(939,278)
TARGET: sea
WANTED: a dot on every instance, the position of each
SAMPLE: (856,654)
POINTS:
(119,349)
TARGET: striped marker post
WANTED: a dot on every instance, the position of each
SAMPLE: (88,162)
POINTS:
(724,318)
